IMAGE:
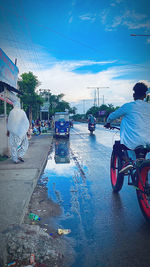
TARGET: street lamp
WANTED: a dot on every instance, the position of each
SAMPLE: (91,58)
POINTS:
(139,34)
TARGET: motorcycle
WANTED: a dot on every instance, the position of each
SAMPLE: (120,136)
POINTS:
(91,127)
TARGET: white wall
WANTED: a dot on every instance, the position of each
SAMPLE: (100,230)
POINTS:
(3,137)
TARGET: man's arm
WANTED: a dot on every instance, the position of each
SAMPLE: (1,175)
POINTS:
(118,113)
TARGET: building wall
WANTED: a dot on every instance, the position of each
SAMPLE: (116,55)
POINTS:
(3,137)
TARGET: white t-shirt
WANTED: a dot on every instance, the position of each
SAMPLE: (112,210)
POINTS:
(135,124)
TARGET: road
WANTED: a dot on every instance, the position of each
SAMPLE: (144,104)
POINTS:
(107,229)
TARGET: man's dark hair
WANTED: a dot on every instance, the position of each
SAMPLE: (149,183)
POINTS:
(140,89)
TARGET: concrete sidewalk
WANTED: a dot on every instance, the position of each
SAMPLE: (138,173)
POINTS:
(17,181)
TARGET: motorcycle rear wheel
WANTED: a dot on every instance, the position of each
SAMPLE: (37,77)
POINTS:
(143,183)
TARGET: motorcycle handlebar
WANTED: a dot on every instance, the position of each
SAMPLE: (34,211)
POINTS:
(114,127)
(111,127)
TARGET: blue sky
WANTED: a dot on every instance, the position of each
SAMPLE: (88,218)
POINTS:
(71,45)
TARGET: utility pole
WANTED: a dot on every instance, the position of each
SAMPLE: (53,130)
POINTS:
(103,99)
(97,87)
(83,106)
(95,98)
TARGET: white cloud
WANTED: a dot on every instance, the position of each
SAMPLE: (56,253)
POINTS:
(71,19)
(74,85)
(135,25)
(116,22)
(104,15)
(88,17)
(128,18)
(29,60)
(60,77)
(119,1)
(73,3)
(72,65)
(116,2)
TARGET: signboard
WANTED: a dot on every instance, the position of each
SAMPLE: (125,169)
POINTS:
(9,97)
(8,70)
(45,107)
(102,112)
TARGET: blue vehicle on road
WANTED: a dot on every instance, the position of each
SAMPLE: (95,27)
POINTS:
(61,124)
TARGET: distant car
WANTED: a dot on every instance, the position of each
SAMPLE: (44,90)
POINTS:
(61,124)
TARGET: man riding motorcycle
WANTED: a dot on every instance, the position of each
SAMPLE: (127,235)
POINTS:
(91,123)
(135,126)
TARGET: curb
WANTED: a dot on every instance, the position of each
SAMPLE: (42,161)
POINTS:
(35,180)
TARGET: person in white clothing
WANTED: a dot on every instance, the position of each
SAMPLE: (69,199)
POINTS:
(17,128)
(135,123)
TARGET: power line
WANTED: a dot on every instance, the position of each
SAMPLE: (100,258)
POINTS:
(30,36)
(57,32)
(97,88)
(28,50)
(10,33)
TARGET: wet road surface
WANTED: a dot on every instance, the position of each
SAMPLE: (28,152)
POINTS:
(107,229)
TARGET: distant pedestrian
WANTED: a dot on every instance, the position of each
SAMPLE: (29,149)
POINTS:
(33,124)
(39,126)
(18,125)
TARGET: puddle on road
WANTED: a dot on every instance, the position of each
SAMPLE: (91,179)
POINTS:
(96,217)
(65,179)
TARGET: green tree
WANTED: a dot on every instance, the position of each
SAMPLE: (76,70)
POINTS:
(95,111)
(30,99)
(73,110)
(56,103)
(62,106)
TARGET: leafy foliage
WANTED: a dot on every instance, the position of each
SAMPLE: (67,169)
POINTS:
(30,99)
(95,110)
(8,109)
(56,104)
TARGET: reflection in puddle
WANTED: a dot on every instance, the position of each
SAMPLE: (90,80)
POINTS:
(67,186)
(62,151)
